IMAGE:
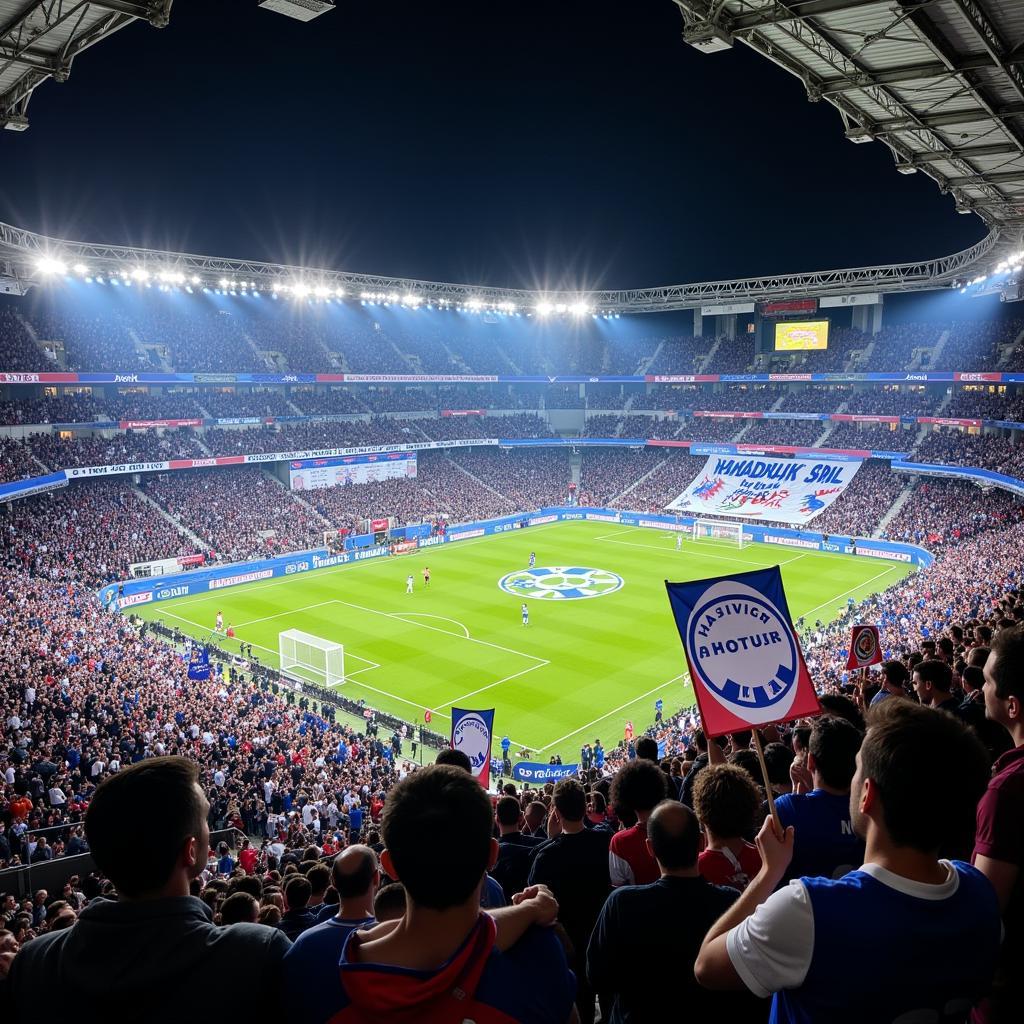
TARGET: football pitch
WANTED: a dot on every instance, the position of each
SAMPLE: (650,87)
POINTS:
(600,648)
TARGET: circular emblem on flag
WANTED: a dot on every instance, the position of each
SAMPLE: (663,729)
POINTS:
(561,583)
(741,648)
(866,646)
(473,738)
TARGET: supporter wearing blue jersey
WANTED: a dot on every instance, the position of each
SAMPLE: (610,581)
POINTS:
(824,841)
(919,776)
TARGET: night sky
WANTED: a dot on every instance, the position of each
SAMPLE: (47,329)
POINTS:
(554,143)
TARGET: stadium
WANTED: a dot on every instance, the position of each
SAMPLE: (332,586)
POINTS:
(299,528)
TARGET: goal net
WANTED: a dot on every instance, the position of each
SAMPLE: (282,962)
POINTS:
(714,529)
(311,658)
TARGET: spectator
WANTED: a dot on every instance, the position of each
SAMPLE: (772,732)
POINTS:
(296,919)
(574,865)
(636,790)
(119,955)
(727,801)
(894,679)
(408,970)
(515,849)
(933,684)
(999,842)
(642,951)
(825,844)
(239,907)
(389,903)
(310,966)
(919,776)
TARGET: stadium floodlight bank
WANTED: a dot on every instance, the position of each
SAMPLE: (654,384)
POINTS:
(308,658)
(717,529)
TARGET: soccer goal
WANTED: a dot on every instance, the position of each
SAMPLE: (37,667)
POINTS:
(708,529)
(310,658)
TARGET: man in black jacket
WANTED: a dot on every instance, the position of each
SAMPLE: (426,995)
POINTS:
(147,830)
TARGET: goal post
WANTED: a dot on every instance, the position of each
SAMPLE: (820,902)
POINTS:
(310,658)
(718,529)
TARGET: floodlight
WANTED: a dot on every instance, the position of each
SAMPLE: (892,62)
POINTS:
(81,268)
(195,280)
(545,308)
(579,308)
(140,274)
(321,292)
(300,290)
(51,265)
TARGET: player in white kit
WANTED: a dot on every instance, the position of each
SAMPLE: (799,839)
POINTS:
(408,584)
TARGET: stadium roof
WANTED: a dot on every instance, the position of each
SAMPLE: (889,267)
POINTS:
(940,82)
(39,39)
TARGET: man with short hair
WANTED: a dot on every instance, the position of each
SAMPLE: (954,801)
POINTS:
(643,947)
(120,956)
(637,789)
(933,684)
(440,961)
(296,919)
(894,678)
(311,965)
(825,842)
(574,865)
(999,840)
(919,776)
(515,849)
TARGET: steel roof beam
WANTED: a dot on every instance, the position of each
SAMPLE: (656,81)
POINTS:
(792,12)
(977,17)
(910,73)
(969,153)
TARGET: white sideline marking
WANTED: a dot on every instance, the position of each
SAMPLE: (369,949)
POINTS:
(613,711)
(427,615)
(857,586)
(458,700)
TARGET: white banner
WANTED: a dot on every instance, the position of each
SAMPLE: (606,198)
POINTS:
(790,491)
(360,469)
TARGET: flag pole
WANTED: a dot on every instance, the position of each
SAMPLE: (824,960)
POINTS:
(779,830)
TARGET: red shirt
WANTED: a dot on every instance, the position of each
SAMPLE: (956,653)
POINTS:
(247,858)
(630,863)
(723,867)
(1000,836)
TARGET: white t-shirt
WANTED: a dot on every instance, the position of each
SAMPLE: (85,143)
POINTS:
(772,949)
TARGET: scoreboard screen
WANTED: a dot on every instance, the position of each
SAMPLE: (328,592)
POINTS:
(801,335)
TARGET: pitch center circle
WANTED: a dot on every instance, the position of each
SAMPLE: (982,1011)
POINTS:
(560,583)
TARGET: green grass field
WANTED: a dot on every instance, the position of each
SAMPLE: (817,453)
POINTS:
(578,671)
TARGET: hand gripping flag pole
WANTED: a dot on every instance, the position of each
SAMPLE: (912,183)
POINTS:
(744,656)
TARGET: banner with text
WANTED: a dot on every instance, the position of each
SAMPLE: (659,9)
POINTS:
(314,474)
(744,656)
(782,490)
(472,733)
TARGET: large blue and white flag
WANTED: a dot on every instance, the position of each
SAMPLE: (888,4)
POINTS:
(472,733)
(783,490)
(746,666)
(199,664)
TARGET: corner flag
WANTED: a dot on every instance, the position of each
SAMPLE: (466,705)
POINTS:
(743,653)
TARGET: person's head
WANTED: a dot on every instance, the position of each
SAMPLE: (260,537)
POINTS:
(838,706)
(319,876)
(833,752)
(919,778)
(436,828)
(570,801)
(297,891)
(778,757)
(535,814)
(509,814)
(270,915)
(458,758)
(239,908)
(933,681)
(1004,681)
(647,748)
(355,872)
(638,787)
(895,676)
(389,903)
(978,656)
(973,678)
(673,836)
(170,843)
(726,801)
(944,649)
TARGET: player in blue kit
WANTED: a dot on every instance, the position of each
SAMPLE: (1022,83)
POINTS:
(526,615)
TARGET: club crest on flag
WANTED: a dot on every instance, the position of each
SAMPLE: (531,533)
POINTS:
(744,657)
(472,734)
(865,648)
